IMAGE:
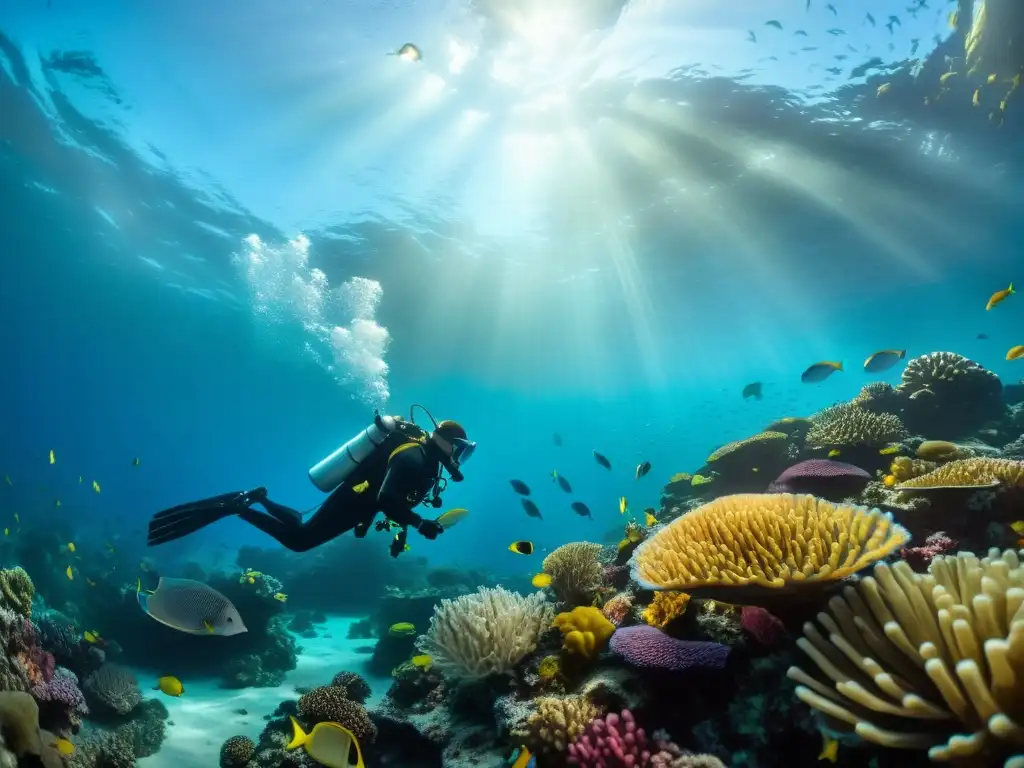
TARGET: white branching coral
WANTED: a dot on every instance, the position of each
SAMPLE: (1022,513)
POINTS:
(485,633)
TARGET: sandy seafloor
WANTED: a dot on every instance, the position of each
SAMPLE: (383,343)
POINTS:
(206,715)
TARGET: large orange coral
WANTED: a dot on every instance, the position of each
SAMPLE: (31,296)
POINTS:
(764,542)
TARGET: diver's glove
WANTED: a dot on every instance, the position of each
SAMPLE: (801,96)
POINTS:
(430,529)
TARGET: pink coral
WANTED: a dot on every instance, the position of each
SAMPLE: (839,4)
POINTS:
(37,664)
(616,609)
(919,557)
(613,741)
(764,627)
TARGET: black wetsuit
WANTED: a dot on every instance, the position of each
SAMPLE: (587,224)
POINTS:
(397,483)
(394,479)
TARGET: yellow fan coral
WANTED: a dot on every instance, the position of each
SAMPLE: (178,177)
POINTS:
(752,449)
(585,631)
(969,473)
(926,661)
(849,424)
(764,543)
(665,607)
(575,572)
(555,722)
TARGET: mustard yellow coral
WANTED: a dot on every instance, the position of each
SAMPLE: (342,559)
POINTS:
(555,722)
(750,449)
(585,631)
(575,572)
(970,473)
(665,607)
(764,543)
(904,468)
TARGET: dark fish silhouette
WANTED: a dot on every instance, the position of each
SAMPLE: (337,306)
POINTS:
(602,460)
(520,487)
(752,390)
(642,469)
(563,483)
(581,509)
(558,439)
(532,509)
(982,336)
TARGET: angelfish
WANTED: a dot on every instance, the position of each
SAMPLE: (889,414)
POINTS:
(190,606)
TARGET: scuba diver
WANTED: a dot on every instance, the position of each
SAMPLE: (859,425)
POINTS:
(391,467)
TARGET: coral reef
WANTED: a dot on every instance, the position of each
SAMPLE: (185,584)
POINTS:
(752,543)
(356,687)
(648,647)
(556,722)
(113,689)
(969,473)
(848,424)
(745,465)
(947,396)
(330,703)
(585,631)
(485,633)
(236,752)
(665,608)
(575,571)
(833,480)
(17,591)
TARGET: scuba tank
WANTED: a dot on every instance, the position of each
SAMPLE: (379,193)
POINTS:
(330,472)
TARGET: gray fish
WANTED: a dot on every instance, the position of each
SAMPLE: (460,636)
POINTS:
(642,469)
(581,509)
(602,460)
(190,606)
(564,484)
(520,487)
(532,510)
(884,360)
(820,371)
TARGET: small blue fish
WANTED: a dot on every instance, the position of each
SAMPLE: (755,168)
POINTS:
(820,371)
(884,360)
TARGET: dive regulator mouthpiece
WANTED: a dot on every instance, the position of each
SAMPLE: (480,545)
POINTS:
(331,471)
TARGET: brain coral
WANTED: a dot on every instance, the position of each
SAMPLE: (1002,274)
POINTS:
(764,543)
(236,752)
(814,474)
(925,661)
(849,424)
(751,451)
(329,703)
(948,396)
(575,572)
(970,473)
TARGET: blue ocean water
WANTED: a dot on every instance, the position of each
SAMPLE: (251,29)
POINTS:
(232,231)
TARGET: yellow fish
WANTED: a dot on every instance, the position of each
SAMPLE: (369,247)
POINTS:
(883,88)
(422,661)
(991,78)
(281,597)
(829,750)
(95,486)
(64,746)
(252,580)
(71,547)
(833,453)
(1015,353)
(361,487)
(402,629)
(91,637)
(70,574)
(976,99)
(523,759)
(890,449)
(53,457)
(650,519)
(953,20)
(541,580)
(1018,527)
(329,744)
(521,547)
(999,296)
(945,77)
(170,685)
(451,517)
(623,505)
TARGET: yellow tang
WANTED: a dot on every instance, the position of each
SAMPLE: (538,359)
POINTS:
(623,505)
(170,685)
(1015,353)
(1018,526)
(402,629)
(70,574)
(95,486)
(330,744)
(71,547)
(829,749)
(521,547)
(649,518)
(281,597)
(833,453)
(451,517)
(890,449)
(541,580)
(422,661)
(64,746)
(53,458)
(90,637)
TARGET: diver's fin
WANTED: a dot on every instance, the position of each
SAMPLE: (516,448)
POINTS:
(175,523)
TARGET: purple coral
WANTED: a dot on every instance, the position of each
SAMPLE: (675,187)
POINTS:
(919,557)
(614,741)
(646,646)
(62,689)
(764,627)
(819,476)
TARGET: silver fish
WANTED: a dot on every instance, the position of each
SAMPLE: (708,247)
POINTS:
(191,607)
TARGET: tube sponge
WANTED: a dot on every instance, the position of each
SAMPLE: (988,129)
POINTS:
(764,543)
(925,661)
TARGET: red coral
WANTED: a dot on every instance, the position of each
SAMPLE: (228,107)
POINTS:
(919,557)
(764,627)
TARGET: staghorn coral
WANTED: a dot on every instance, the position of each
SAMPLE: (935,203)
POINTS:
(484,633)
(356,688)
(585,631)
(949,396)
(113,688)
(649,648)
(847,424)
(556,722)
(925,661)
(17,590)
(764,543)
(665,607)
(904,468)
(330,703)
(750,451)
(236,752)
(575,572)
(970,473)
